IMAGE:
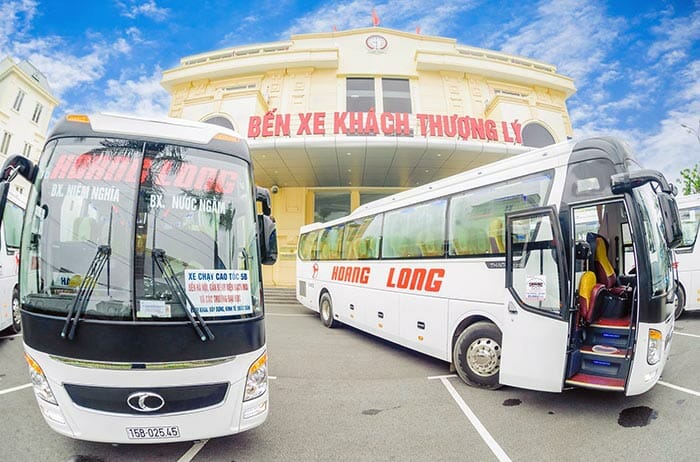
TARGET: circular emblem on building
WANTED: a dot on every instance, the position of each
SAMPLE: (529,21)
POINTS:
(145,401)
(376,42)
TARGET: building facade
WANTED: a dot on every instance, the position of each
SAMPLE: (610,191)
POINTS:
(335,120)
(26,106)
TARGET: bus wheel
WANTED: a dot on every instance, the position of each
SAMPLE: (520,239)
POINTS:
(477,355)
(679,301)
(326,311)
(16,326)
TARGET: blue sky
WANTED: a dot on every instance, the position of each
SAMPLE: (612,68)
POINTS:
(636,64)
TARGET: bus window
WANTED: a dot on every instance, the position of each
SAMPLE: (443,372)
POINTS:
(536,277)
(414,232)
(12,223)
(361,240)
(476,217)
(330,243)
(690,221)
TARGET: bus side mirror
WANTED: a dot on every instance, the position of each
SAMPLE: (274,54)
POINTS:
(673,233)
(267,239)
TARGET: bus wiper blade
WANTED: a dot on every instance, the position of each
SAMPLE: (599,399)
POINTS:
(169,275)
(87,286)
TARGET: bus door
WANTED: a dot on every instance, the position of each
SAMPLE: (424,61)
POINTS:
(535,329)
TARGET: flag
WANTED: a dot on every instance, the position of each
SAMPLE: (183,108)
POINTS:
(418,30)
(375,18)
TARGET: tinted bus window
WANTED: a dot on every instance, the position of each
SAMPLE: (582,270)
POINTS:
(476,223)
(414,232)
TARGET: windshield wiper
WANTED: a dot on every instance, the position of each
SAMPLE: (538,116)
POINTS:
(87,286)
(168,273)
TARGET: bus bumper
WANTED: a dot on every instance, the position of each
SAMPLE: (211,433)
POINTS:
(232,415)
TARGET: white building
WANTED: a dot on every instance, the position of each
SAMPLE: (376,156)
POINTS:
(26,105)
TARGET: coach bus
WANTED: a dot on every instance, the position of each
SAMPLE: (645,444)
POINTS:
(688,255)
(140,281)
(513,273)
(10,234)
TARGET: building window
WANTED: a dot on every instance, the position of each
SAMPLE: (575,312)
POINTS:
(536,136)
(5,145)
(331,205)
(396,95)
(220,121)
(359,94)
(27,150)
(18,100)
(37,112)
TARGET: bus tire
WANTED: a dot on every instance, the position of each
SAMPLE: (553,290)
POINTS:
(325,309)
(16,326)
(679,301)
(477,355)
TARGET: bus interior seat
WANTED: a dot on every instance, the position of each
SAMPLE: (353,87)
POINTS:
(590,293)
(471,241)
(604,270)
(496,234)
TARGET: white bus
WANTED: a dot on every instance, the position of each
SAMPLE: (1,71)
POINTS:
(513,273)
(688,255)
(10,234)
(140,280)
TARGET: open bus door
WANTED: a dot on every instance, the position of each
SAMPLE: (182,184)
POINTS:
(535,330)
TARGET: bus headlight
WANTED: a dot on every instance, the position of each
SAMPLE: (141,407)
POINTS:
(256,382)
(41,385)
(655,346)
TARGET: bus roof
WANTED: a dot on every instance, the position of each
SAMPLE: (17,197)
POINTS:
(685,202)
(179,130)
(521,164)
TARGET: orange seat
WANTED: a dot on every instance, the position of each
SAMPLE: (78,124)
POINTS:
(605,272)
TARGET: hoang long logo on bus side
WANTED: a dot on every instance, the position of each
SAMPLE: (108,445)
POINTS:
(423,279)
(357,274)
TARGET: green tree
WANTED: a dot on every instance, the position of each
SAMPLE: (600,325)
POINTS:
(691,180)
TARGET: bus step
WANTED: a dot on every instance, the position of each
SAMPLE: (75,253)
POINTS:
(612,323)
(604,361)
(596,382)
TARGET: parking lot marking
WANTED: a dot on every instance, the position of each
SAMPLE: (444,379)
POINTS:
(675,332)
(189,455)
(676,387)
(476,423)
(11,336)
(10,390)
(438,377)
(291,315)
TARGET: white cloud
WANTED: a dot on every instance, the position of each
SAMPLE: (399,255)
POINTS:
(433,17)
(133,9)
(15,21)
(677,33)
(574,35)
(143,96)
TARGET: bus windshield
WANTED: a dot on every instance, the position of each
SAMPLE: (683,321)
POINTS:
(659,254)
(108,215)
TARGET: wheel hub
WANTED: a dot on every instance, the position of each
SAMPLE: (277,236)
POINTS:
(484,357)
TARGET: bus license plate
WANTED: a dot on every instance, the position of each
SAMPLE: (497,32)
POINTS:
(149,433)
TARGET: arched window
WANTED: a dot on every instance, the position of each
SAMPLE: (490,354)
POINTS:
(220,121)
(536,136)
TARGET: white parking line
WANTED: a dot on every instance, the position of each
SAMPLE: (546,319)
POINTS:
(290,314)
(676,387)
(675,332)
(485,435)
(189,455)
(11,336)
(20,387)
